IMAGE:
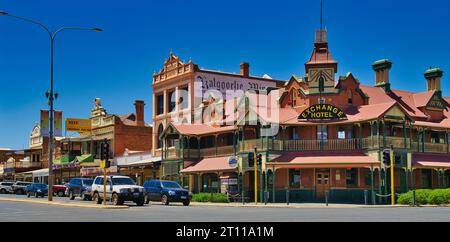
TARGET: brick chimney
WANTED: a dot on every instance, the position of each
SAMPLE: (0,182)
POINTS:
(433,76)
(139,105)
(382,68)
(245,69)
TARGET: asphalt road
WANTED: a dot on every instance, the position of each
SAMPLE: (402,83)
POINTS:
(27,212)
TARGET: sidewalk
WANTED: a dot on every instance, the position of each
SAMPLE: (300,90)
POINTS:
(295,205)
(63,203)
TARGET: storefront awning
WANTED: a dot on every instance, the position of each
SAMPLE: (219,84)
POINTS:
(324,160)
(433,161)
(218,164)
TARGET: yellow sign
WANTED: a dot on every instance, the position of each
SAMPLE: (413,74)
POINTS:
(78,125)
(102,164)
(323,112)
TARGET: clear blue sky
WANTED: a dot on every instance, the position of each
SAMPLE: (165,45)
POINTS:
(276,37)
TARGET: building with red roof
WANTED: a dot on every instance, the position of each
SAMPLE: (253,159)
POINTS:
(318,136)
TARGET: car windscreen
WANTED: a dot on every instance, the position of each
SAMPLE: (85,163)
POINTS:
(88,182)
(122,181)
(168,184)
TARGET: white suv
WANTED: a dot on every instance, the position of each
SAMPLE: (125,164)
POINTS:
(119,189)
(6,187)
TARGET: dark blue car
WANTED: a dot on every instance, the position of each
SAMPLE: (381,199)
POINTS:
(37,190)
(80,187)
(166,192)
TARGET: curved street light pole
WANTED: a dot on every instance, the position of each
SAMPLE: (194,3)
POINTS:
(51,97)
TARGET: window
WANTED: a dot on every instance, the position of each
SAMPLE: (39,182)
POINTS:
(352,177)
(183,101)
(435,137)
(159,104)
(99,181)
(171,101)
(294,134)
(322,132)
(321,84)
(294,99)
(341,133)
(350,98)
(160,131)
(294,178)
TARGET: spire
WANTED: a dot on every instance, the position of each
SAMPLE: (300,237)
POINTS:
(321,14)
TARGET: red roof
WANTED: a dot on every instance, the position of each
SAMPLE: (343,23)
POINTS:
(329,159)
(431,160)
(218,164)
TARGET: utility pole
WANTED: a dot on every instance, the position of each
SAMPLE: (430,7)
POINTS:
(256,176)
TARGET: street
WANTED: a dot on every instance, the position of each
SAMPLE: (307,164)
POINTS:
(28,212)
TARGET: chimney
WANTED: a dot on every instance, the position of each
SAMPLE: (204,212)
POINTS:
(433,76)
(245,69)
(139,105)
(382,68)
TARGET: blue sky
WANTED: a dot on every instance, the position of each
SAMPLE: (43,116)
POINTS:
(276,37)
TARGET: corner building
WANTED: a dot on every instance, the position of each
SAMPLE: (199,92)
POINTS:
(332,132)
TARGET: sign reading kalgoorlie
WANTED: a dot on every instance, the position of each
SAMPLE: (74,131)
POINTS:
(323,112)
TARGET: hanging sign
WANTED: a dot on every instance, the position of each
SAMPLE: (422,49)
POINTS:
(323,112)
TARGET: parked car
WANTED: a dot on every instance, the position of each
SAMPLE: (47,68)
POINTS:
(166,192)
(80,187)
(37,190)
(20,187)
(119,189)
(6,187)
(59,190)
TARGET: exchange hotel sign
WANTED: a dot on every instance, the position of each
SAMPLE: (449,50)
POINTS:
(230,85)
(323,112)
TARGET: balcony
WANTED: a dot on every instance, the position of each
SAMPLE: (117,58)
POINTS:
(173,153)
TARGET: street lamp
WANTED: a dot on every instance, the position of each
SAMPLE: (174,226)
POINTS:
(50,96)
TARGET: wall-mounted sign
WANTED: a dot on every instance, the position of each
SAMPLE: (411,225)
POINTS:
(78,125)
(233,162)
(322,112)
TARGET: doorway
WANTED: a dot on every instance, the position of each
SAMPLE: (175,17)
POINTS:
(322,183)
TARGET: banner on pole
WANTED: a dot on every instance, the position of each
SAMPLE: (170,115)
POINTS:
(58,124)
(45,129)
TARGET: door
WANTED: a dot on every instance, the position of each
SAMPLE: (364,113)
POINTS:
(322,183)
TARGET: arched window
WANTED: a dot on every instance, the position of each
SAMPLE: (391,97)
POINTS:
(321,84)
(160,131)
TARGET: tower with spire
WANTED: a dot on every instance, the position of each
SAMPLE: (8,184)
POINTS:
(321,67)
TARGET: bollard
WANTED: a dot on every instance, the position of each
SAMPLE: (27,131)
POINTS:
(414,198)
(266,197)
(287,196)
(366,197)
(326,198)
(243,197)
(374,202)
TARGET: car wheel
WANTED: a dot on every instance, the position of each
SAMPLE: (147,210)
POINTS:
(186,203)
(147,200)
(71,196)
(97,198)
(60,194)
(165,200)
(116,200)
(140,202)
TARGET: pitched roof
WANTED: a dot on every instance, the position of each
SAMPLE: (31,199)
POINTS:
(210,165)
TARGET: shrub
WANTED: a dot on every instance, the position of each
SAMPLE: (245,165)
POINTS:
(439,197)
(211,198)
(424,196)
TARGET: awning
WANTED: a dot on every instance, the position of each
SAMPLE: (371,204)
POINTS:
(97,171)
(433,161)
(218,164)
(40,173)
(85,159)
(327,159)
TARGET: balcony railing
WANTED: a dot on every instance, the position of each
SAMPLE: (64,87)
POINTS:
(430,147)
(174,153)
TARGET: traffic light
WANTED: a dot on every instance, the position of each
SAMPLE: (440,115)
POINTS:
(259,159)
(104,153)
(251,159)
(387,157)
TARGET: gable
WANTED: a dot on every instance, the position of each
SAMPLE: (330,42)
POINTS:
(436,103)
(396,113)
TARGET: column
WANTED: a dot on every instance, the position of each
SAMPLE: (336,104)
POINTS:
(379,158)
(406,155)
(372,190)
(166,106)
(215,143)
(177,98)
(274,180)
